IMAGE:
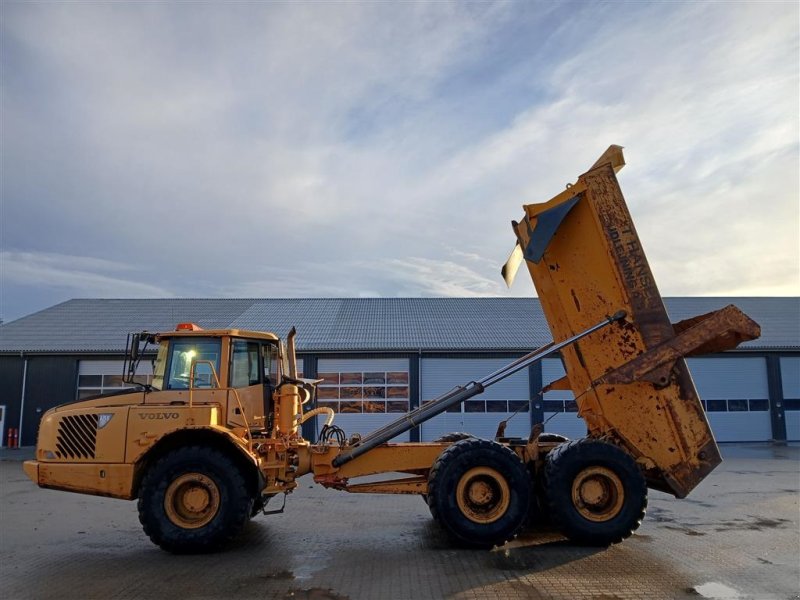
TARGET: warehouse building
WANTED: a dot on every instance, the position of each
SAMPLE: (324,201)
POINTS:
(380,357)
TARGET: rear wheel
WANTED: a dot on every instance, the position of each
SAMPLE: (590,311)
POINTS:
(455,436)
(479,491)
(193,499)
(596,493)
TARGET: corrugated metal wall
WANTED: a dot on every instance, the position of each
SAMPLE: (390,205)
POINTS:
(734,389)
(440,375)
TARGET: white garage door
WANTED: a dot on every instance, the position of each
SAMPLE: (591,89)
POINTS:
(735,395)
(790,376)
(480,415)
(103,376)
(365,393)
(560,409)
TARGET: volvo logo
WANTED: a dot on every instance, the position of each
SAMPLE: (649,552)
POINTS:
(158,416)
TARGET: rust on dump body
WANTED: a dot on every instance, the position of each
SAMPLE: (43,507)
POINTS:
(630,380)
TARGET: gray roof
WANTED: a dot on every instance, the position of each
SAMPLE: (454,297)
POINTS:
(351,324)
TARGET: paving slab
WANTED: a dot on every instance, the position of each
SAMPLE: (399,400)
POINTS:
(735,537)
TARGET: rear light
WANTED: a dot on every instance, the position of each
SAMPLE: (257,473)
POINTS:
(188,327)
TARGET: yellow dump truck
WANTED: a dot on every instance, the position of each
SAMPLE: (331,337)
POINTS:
(217,435)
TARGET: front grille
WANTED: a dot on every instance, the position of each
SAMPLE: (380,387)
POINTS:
(77,435)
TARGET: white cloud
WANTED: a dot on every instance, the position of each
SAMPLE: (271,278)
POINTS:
(79,276)
(279,149)
(417,276)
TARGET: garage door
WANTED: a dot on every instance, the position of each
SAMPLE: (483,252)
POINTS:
(481,415)
(365,393)
(103,376)
(735,395)
(560,409)
(790,376)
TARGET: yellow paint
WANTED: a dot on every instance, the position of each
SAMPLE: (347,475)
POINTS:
(148,424)
(111,480)
(287,404)
(400,458)
(593,267)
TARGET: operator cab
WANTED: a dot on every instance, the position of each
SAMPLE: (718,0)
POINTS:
(239,368)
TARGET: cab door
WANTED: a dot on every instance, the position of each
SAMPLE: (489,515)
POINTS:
(246,407)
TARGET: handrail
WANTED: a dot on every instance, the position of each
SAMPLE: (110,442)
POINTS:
(192,372)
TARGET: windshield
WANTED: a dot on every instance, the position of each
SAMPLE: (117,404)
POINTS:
(187,351)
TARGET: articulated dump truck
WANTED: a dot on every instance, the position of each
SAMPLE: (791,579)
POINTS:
(217,434)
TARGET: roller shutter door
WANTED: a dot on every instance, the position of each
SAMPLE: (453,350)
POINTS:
(790,378)
(481,415)
(735,395)
(103,376)
(365,393)
(560,409)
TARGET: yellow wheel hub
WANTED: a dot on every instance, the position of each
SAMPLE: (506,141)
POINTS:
(483,495)
(192,500)
(598,494)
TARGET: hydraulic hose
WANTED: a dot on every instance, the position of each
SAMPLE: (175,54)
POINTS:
(322,410)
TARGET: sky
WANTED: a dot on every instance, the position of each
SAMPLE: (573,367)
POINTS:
(355,149)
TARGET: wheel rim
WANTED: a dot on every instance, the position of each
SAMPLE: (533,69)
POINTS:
(598,494)
(192,500)
(483,495)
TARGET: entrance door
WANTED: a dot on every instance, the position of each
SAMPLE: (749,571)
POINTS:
(2,425)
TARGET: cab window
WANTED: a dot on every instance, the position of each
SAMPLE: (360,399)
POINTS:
(160,365)
(184,353)
(271,363)
(244,364)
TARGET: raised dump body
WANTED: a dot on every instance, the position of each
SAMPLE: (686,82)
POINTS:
(631,383)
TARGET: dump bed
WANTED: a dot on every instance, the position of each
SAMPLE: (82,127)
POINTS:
(630,380)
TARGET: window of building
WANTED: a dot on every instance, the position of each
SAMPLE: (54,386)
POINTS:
(364,391)
(736,405)
(490,406)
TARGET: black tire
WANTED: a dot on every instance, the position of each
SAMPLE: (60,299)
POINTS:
(553,437)
(193,500)
(596,494)
(479,491)
(455,436)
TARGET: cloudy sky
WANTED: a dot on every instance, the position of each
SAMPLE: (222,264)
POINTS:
(381,149)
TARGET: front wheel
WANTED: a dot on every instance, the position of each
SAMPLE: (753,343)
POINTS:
(193,499)
(479,491)
(596,494)
(454,436)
